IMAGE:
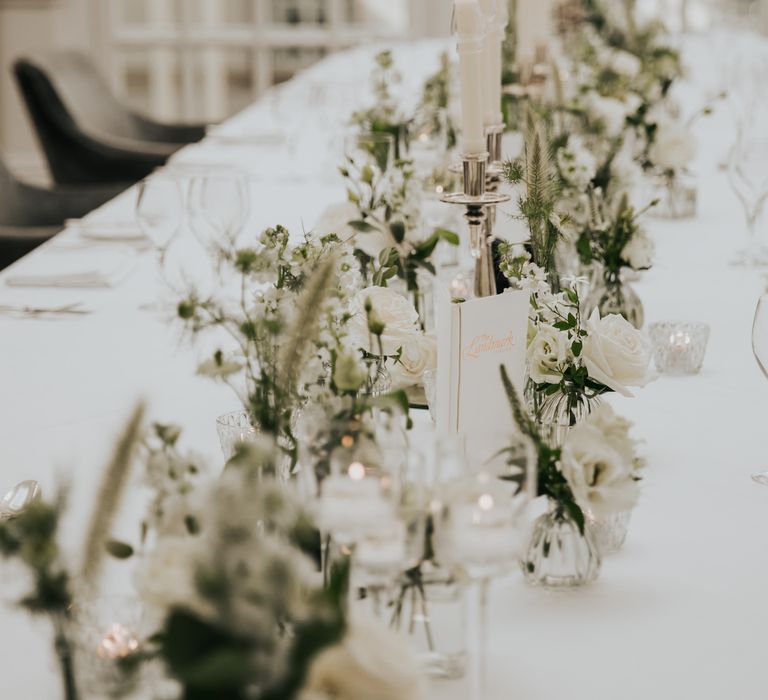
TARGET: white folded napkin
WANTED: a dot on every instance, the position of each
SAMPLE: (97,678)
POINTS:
(92,268)
(116,231)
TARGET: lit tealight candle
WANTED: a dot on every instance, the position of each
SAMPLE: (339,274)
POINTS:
(118,642)
(352,502)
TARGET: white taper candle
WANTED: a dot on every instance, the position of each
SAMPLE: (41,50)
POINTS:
(470,27)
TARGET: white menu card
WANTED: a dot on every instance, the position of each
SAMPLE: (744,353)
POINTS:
(475,338)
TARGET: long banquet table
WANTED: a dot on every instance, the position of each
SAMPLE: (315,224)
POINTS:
(681,612)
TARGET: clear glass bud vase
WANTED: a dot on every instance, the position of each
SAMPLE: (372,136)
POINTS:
(612,296)
(430,607)
(560,556)
(557,413)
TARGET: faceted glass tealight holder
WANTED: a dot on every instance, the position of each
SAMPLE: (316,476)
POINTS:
(679,346)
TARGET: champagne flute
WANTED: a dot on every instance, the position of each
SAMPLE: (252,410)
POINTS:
(760,350)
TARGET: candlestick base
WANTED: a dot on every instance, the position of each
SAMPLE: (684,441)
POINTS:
(479,202)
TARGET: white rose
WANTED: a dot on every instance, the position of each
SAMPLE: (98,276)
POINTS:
(674,146)
(608,111)
(547,354)
(419,354)
(400,319)
(616,353)
(371,663)
(625,64)
(639,252)
(600,478)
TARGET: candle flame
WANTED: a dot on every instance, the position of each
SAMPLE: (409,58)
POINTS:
(356,471)
(485,502)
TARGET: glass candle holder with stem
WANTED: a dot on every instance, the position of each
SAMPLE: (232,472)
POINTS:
(481,526)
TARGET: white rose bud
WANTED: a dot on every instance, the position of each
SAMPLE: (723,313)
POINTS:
(616,353)
(547,353)
(419,353)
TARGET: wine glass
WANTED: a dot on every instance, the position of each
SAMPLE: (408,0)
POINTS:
(760,350)
(748,177)
(218,207)
(159,211)
(480,526)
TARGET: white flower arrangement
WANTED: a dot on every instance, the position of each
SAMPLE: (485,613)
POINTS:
(599,462)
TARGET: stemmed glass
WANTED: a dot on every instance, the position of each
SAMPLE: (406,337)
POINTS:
(748,176)
(159,211)
(159,215)
(760,350)
(218,207)
(481,524)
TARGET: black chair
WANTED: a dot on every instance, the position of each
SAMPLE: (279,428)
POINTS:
(87,135)
(31,215)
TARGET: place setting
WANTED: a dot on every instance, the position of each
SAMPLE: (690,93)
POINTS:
(454,419)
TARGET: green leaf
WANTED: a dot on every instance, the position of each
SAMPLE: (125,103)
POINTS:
(360,225)
(397,229)
(576,347)
(119,550)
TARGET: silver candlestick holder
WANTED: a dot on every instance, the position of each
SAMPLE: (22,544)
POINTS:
(482,175)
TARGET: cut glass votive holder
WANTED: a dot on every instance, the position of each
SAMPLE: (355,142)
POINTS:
(679,346)
(233,429)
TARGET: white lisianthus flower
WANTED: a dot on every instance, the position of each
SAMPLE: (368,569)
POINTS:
(400,319)
(639,251)
(600,478)
(576,163)
(371,663)
(625,64)
(419,354)
(547,354)
(632,102)
(615,353)
(615,430)
(674,146)
(609,112)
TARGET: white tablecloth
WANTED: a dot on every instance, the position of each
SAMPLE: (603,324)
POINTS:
(680,613)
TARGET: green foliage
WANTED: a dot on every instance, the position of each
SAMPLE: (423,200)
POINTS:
(551,482)
(538,205)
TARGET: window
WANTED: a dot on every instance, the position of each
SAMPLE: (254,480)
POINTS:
(205,59)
